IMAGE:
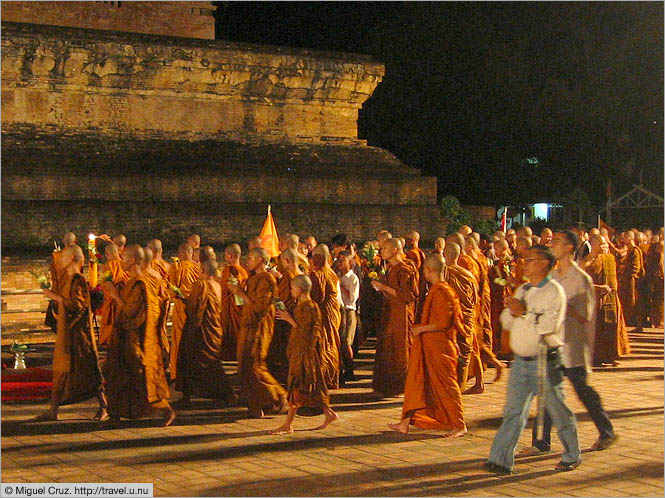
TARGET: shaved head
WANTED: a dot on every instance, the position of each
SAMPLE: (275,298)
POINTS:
(207,253)
(321,250)
(260,253)
(470,242)
(456,238)
(524,232)
(253,243)
(289,255)
(136,253)
(413,235)
(302,282)
(465,230)
(394,243)
(233,250)
(209,267)
(185,251)
(155,245)
(194,240)
(291,241)
(451,252)
(439,243)
(147,252)
(120,240)
(435,263)
(68,239)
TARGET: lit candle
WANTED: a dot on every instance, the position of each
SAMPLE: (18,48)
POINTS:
(92,260)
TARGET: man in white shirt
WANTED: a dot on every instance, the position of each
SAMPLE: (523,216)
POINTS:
(350,290)
(578,342)
(535,313)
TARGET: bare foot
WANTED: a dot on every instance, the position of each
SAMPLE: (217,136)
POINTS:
(102,415)
(477,389)
(499,365)
(45,417)
(281,430)
(403,428)
(327,421)
(455,432)
(169,417)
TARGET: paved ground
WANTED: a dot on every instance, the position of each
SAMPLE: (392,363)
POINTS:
(216,452)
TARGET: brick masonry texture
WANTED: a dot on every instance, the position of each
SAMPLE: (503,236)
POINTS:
(161,136)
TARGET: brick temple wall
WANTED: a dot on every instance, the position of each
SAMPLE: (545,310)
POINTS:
(187,19)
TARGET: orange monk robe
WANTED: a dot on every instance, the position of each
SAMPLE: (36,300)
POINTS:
(466,288)
(475,362)
(630,271)
(485,318)
(498,280)
(109,310)
(278,362)
(261,390)
(58,271)
(158,287)
(611,337)
(135,379)
(394,335)
(182,274)
(432,396)
(654,276)
(231,312)
(164,303)
(76,371)
(418,257)
(305,351)
(324,293)
(200,368)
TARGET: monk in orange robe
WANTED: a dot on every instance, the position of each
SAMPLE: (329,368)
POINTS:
(498,280)
(432,397)
(278,362)
(162,267)
(400,290)
(200,364)
(261,391)
(416,254)
(465,286)
(76,372)
(630,270)
(159,288)
(57,268)
(325,285)
(118,277)
(654,276)
(136,380)
(611,337)
(183,273)
(306,382)
(484,316)
(233,272)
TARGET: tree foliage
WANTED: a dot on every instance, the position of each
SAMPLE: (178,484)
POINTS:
(453,214)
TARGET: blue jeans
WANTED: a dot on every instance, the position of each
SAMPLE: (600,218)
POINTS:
(591,400)
(522,387)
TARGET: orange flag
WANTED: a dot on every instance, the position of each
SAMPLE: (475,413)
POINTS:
(268,236)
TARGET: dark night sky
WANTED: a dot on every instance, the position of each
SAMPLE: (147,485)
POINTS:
(474,89)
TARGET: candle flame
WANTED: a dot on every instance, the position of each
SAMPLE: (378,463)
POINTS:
(92,236)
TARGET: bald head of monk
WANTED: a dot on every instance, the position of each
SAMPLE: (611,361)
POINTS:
(470,245)
(120,240)
(523,245)
(207,253)
(457,238)
(148,255)
(320,256)
(501,249)
(391,250)
(232,254)
(253,243)
(72,258)
(257,259)
(383,236)
(439,244)
(194,240)
(499,234)
(69,239)
(465,230)
(412,239)
(111,252)
(476,236)
(452,253)
(132,258)
(524,232)
(155,245)
(546,236)
(289,259)
(292,241)
(301,286)
(185,252)
(209,268)
(435,267)
(310,242)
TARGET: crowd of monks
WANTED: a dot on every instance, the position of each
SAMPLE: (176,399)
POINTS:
(435,317)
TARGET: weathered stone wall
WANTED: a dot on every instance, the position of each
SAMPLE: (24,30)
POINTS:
(187,19)
(39,223)
(81,80)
